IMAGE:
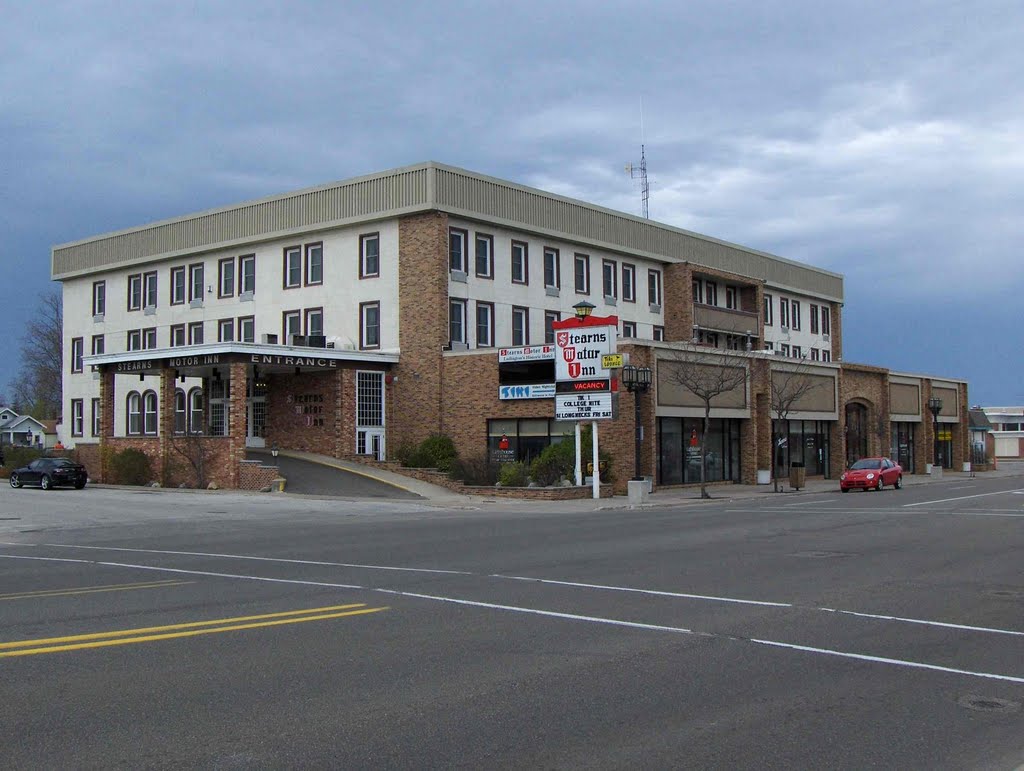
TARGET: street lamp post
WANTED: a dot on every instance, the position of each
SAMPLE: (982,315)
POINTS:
(935,405)
(637,380)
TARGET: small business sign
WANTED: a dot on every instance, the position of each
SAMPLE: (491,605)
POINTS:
(533,391)
(582,386)
(612,361)
(526,353)
(594,406)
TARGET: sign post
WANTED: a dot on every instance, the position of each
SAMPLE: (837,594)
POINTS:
(584,381)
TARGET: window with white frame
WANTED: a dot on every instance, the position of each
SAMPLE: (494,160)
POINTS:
(457,249)
(484,255)
(520,263)
(292,267)
(195,282)
(659,333)
(629,329)
(813,313)
(456,322)
(149,338)
(135,292)
(247,274)
(99,344)
(369,325)
(581,273)
(610,279)
(77,417)
(225,330)
(784,348)
(180,411)
(795,306)
(710,293)
(520,325)
(369,255)
(247,329)
(178,285)
(484,325)
(97,422)
(150,289)
(291,325)
(226,277)
(77,352)
(220,397)
(99,298)
(177,335)
(698,291)
(826,356)
(314,265)
(149,413)
(369,400)
(732,297)
(654,287)
(628,283)
(815,355)
(797,352)
(314,320)
(550,317)
(134,414)
(195,333)
(769,316)
(195,410)
(826,320)
(134,340)
(552,272)
(783,312)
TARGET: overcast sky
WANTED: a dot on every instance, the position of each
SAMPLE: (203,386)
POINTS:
(881,140)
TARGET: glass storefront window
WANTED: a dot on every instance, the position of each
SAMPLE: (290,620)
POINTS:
(524,439)
(679,460)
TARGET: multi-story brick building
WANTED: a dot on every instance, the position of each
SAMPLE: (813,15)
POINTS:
(356,317)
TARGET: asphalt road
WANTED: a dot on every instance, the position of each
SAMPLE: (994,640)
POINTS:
(178,629)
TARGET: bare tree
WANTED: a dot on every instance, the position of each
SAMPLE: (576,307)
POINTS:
(707,377)
(788,387)
(192,448)
(36,389)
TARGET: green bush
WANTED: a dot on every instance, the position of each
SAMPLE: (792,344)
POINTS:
(555,461)
(513,475)
(476,470)
(16,457)
(436,451)
(130,467)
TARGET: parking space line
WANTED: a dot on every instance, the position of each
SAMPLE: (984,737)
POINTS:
(192,629)
(44,593)
(961,498)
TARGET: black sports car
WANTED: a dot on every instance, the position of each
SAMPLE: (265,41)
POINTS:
(49,473)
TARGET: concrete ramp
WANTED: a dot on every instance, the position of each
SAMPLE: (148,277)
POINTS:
(310,474)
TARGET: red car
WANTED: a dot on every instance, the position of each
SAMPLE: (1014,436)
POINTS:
(872,474)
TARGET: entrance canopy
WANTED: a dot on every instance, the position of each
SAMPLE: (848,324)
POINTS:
(202,360)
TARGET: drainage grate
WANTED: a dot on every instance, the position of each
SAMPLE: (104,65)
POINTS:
(988,704)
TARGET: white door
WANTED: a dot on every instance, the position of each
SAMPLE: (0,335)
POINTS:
(370,414)
(256,421)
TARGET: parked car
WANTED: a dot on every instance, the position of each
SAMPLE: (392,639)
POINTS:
(871,474)
(49,473)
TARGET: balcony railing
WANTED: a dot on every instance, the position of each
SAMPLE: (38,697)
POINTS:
(725,320)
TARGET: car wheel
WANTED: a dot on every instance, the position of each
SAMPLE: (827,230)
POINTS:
(898,484)
(80,484)
(845,489)
(879,484)
(45,482)
(15,482)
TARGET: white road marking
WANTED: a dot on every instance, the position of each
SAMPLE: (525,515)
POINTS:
(986,514)
(961,498)
(566,616)
(963,487)
(813,503)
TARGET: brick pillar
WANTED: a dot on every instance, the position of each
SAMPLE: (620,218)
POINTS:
(236,423)
(345,413)
(106,418)
(759,428)
(678,308)
(836,337)
(165,424)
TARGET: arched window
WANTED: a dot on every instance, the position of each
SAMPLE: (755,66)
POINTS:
(149,408)
(134,414)
(179,411)
(195,411)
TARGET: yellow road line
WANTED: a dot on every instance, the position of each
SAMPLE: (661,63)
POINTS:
(189,633)
(154,629)
(43,593)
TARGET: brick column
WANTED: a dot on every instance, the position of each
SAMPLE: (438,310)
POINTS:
(758,431)
(106,419)
(165,424)
(678,298)
(236,422)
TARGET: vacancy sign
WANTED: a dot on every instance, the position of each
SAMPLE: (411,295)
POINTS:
(582,382)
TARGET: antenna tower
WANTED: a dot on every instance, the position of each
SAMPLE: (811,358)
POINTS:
(640,172)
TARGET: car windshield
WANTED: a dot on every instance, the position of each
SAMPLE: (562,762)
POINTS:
(60,462)
(866,463)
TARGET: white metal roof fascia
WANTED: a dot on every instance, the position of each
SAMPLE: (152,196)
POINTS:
(255,349)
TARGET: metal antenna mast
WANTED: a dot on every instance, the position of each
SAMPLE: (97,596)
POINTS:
(641,171)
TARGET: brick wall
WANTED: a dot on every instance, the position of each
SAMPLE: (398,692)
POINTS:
(302,412)
(184,452)
(423,325)
(868,386)
(253,475)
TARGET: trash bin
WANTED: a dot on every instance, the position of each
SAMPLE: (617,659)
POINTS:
(797,475)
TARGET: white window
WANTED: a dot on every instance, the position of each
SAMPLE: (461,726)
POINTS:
(456,321)
(710,293)
(149,407)
(314,322)
(659,333)
(813,313)
(195,333)
(246,329)
(629,329)
(292,267)
(135,292)
(826,356)
(77,351)
(484,325)
(484,255)
(177,335)
(520,326)
(550,317)
(226,279)
(134,339)
(732,297)
(369,325)
(99,298)
(628,283)
(520,263)
(314,265)
(581,273)
(180,411)
(134,414)
(783,312)
(291,324)
(552,273)
(149,281)
(195,410)
(195,282)
(769,316)
(654,287)
(796,314)
(178,285)
(826,320)
(797,352)
(247,274)
(698,291)
(815,355)
(96,420)
(611,282)
(457,250)
(77,417)
(369,255)
(225,330)
(149,338)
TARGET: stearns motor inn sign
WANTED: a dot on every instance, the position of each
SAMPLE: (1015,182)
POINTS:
(582,384)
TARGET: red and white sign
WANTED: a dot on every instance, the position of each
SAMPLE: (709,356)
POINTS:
(526,353)
(579,346)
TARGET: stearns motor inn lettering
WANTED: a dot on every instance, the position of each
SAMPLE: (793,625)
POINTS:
(581,352)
